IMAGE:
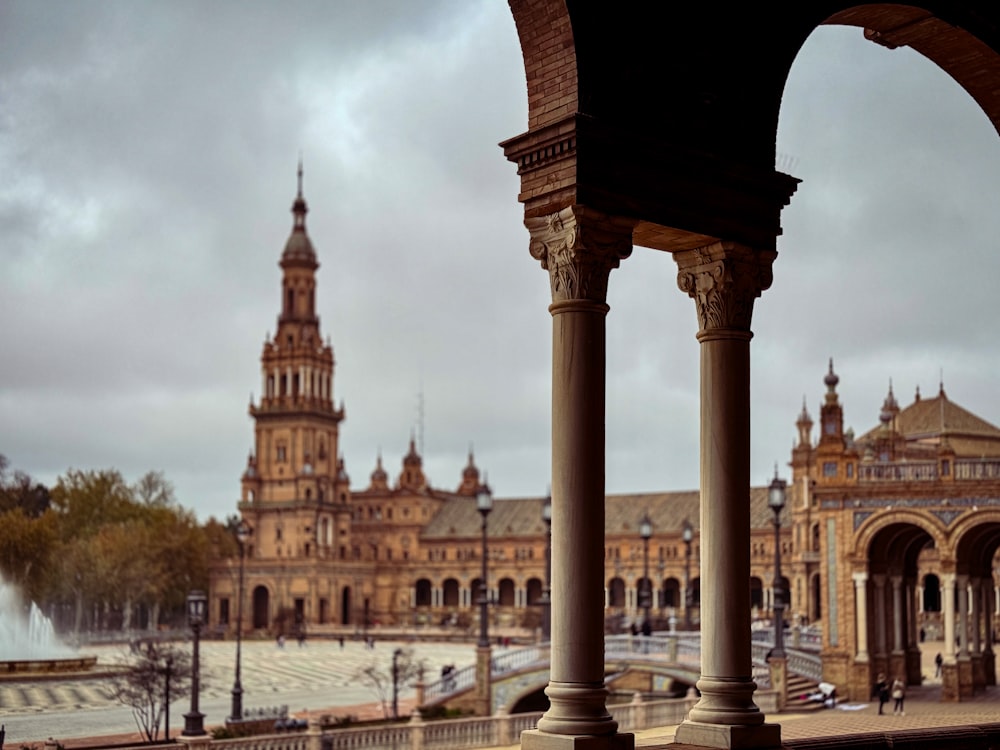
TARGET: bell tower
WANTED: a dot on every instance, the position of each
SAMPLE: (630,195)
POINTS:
(293,488)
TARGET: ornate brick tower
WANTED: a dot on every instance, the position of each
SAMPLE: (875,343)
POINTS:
(295,491)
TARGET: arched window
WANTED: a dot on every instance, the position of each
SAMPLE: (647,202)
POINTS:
(534,590)
(932,593)
(506,592)
(756,593)
(451,593)
(423,595)
(616,592)
(671,593)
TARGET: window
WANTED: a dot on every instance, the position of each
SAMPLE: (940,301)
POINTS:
(850,470)
(281,452)
(829,468)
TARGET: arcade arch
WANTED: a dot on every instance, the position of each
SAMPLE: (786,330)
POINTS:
(596,179)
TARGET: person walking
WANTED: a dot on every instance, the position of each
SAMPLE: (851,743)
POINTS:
(938,661)
(898,694)
(881,692)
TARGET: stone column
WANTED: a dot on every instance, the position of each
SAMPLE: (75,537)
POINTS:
(948,615)
(897,614)
(880,648)
(579,247)
(861,614)
(976,614)
(724,279)
(962,586)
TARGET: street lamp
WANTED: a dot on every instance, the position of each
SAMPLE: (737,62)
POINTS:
(194,720)
(484,688)
(687,534)
(645,531)
(547,591)
(776,501)
(395,682)
(484,504)
(243,532)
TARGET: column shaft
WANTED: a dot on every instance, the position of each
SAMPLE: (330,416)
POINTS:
(880,639)
(724,279)
(963,615)
(861,614)
(948,615)
(579,248)
(897,614)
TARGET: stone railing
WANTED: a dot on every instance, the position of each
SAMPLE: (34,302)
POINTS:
(454,734)
(928,471)
(977,468)
(892,471)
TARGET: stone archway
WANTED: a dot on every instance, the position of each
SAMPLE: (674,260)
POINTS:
(599,176)
(885,616)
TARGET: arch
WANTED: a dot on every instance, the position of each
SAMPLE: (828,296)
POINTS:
(671,592)
(616,592)
(815,597)
(261,608)
(450,592)
(422,596)
(932,593)
(345,605)
(534,591)
(324,611)
(756,593)
(875,525)
(505,592)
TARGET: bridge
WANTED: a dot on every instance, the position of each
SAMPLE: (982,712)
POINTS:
(666,662)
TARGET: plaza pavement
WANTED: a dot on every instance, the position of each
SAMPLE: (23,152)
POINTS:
(319,677)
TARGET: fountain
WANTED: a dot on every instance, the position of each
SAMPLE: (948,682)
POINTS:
(28,644)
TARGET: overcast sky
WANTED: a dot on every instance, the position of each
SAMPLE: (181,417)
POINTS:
(148,155)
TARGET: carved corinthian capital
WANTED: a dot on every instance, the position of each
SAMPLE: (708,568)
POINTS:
(724,279)
(579,247)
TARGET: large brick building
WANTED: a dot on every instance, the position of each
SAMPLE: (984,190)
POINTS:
(889,540)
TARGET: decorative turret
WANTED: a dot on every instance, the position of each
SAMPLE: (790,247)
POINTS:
(890,408)
(804,424)
(831,413)
(379,477)
(470,477)
(412,476)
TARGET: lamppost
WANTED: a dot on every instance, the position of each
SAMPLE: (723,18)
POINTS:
(168,671)
(243,532)
(395,683)
(645,531)
(687,534)
(776,501)
(547,591)
(484,701)
(194,720)
(484,504)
